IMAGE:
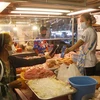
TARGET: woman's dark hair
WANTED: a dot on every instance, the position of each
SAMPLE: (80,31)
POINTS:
(4,39)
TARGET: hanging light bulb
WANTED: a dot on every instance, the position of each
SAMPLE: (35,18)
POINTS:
(34,27)
(15,28)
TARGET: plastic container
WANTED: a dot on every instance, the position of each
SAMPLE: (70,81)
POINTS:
(84,85)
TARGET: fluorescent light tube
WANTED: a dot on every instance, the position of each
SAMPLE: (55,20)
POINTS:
(81,11)
(44,10)
(30,12)
(3,5)
(22,22)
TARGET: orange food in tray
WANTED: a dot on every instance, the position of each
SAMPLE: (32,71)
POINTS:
(22,76)
(51,63)
(23,69)
(57,62)
(67,61)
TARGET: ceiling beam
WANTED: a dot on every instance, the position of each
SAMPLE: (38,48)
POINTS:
(52,6)
(79,3)
(94,4)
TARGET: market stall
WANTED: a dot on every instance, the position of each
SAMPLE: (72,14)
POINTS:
(49,27)
(41,80)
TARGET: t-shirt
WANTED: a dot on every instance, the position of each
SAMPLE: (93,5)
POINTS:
(89,36)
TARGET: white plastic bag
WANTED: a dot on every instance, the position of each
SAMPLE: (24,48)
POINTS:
(65,72)
(73,71)
(62,72)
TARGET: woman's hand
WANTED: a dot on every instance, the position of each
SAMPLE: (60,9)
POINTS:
(75,46)
(16,84)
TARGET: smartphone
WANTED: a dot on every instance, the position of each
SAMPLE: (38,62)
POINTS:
(63,51)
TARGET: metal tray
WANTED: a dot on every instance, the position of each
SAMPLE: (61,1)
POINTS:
(53,98)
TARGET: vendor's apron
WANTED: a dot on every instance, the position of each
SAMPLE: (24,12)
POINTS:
(82,57)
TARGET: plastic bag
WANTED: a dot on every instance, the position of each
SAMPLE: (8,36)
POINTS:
(65,72)
(73,71)
(62,72)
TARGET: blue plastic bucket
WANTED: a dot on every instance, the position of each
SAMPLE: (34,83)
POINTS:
(84,85)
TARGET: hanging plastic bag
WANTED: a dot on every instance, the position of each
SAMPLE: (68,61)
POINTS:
(73,71)
(62,72)
(65,72)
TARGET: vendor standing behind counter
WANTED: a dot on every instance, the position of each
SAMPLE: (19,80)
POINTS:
(87,43)
(40,46)
(8,67)
(43,33)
